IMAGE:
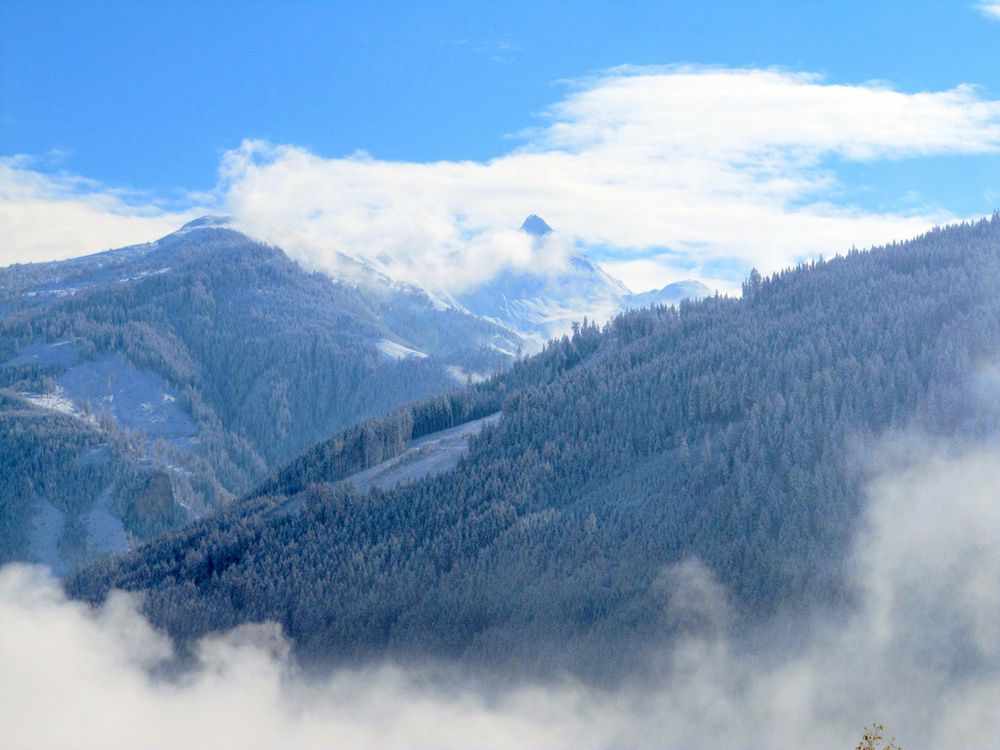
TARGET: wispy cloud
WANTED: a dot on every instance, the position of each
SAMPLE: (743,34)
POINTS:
(672,172)
(990,10)
(502,51)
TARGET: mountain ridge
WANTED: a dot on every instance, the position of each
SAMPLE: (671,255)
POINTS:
(721,435)
(205,358)
(540,305)
(219,356)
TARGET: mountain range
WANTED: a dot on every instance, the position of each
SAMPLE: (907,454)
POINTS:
(561,514)
(541,306)
(145,386)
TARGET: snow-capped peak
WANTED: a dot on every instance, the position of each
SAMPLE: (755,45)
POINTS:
(205,222)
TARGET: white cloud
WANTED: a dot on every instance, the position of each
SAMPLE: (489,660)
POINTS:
(921,653)
(49,217)
(715,165)
(991,10)
(659,169)
(659,269)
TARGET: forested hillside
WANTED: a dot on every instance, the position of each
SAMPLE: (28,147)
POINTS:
(198,363)
(727,430)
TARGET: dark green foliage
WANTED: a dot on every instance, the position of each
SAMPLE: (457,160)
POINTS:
(726,430)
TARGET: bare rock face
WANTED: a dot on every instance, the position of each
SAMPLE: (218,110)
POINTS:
(151,505)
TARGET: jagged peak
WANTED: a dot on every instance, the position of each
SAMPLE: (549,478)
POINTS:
(535,225)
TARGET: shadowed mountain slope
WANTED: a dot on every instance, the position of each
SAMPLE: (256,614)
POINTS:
(206,359)
(730,432)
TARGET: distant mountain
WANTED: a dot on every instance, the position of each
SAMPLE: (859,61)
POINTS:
(543,304)
(717,438)
(535,225)
(170,376)
(671,294)
(187,368)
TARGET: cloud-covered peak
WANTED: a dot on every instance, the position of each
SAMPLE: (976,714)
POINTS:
(209,221)
(535,225)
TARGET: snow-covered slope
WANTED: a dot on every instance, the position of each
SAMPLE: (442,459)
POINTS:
(545,303)
(205,359)
(540,306)
(671,294)
(423,457)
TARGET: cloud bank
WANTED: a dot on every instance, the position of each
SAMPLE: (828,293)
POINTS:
(669,170)
(665,173)
(56,216)
(921,653)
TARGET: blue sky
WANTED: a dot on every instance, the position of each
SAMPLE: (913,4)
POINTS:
(141,103)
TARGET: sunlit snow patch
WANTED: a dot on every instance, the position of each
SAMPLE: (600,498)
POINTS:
(57,401)
(392,350)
